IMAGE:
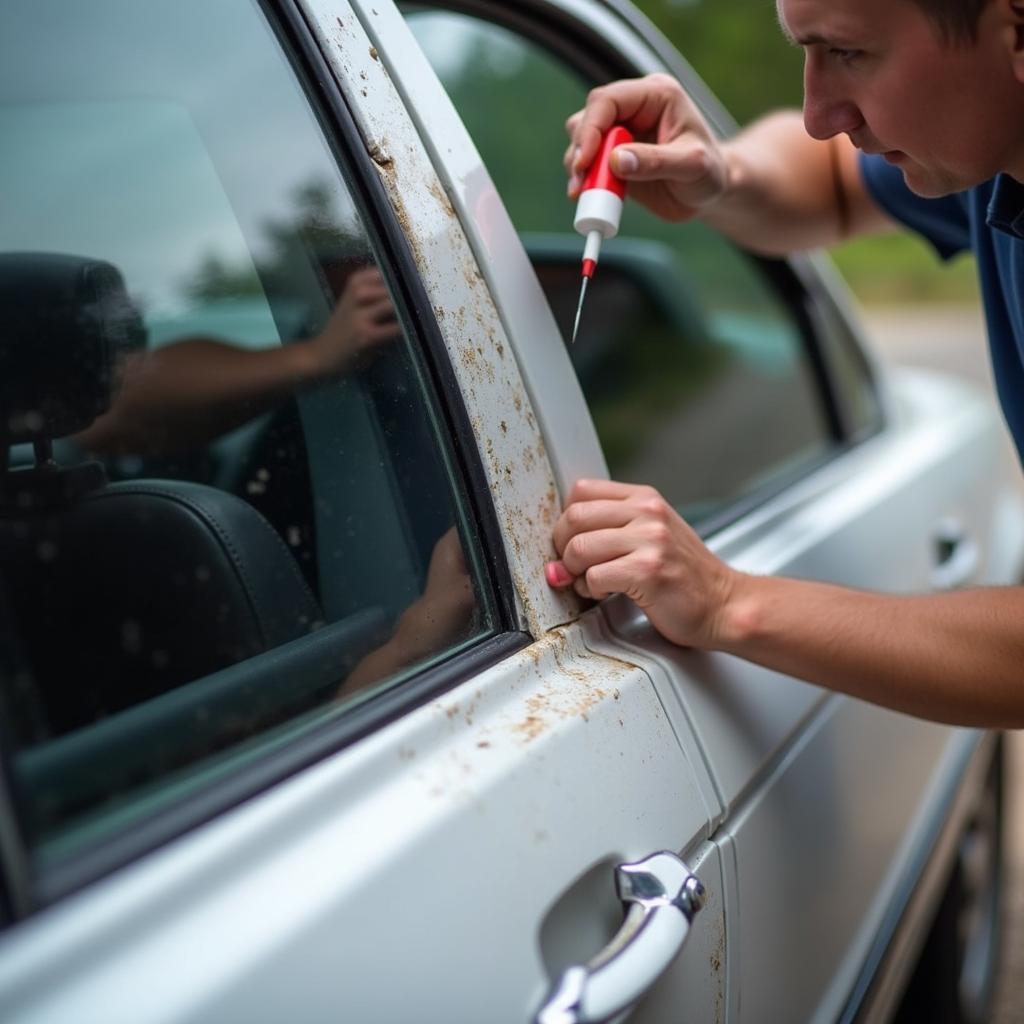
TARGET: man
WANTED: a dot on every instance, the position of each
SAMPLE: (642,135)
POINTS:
(931,92)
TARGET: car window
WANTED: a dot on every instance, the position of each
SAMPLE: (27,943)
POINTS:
(232,512)
(694,366)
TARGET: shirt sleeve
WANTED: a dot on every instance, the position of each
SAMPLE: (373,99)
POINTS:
(943,222)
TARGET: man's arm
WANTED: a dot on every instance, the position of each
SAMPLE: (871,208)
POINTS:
(196,389)
(956,657)
(772,188)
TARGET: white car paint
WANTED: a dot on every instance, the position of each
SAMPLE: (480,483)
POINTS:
(422,873)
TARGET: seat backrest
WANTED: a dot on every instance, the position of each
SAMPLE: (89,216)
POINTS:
(119,591)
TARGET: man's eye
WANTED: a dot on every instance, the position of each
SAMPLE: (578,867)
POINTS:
(844,56)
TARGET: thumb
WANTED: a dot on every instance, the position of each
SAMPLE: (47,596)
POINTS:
(677,161)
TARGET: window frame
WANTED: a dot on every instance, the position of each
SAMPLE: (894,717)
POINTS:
(558,29)
(25,886)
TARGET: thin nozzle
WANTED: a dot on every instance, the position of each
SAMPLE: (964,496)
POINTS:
(579,309)
(590,254)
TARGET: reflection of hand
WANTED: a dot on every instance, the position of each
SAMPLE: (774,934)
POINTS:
(437,619)
(362,321)
(441,614)
(624,538)
(677,166)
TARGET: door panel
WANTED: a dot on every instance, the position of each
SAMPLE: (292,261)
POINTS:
(820,851)
(406,878)
(821,796)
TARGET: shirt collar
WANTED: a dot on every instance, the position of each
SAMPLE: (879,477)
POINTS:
(1006,207)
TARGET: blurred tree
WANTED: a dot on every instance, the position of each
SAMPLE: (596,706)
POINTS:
(736,46)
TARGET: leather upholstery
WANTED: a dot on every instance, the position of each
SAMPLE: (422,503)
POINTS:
(143,586)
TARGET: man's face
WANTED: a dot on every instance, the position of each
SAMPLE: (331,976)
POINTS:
(948,115)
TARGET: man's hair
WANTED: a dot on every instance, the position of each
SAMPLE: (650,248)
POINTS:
(956,20)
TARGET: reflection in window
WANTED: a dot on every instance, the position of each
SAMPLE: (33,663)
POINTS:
(229,511)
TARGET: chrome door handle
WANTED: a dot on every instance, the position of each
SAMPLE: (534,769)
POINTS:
(956,555)
(663,896)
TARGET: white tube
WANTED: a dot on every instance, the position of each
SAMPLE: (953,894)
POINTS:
(598,210)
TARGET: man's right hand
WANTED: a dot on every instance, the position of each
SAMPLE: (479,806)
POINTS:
(675,168)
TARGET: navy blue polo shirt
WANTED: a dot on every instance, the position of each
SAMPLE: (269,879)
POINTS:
(988,219)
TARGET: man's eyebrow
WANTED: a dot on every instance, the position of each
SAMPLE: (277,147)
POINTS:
(808,40)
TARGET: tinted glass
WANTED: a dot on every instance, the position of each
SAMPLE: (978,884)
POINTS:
(250,522)
(694,367)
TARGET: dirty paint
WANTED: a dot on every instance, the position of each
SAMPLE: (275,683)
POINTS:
(519,475)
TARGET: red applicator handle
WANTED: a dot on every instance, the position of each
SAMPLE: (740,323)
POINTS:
(600,173)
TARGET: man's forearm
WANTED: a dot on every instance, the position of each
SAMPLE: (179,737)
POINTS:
(955,657)
(786,191)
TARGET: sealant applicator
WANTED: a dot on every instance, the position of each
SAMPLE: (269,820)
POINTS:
(599,208)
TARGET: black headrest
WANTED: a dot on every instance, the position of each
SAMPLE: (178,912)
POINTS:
(63,322)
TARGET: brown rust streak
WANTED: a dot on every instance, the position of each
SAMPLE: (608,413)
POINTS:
(475,338)
(576,700)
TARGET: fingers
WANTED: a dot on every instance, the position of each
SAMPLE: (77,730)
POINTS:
(379,310)
(594,547)
(369,291)
(593,529)
(676,163)
(583,516)
(594,490)
(639,103)
(685,161)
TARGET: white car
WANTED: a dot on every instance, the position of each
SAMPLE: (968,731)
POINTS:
(292,727)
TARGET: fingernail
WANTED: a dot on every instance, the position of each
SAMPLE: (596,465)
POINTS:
(574,186)
(625,161)
(557,575)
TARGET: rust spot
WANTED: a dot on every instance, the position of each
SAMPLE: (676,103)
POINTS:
(504,427)
(373,53)
(483,744)
(501,350)
(442,197)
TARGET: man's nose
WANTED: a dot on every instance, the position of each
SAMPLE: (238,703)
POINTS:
(826,111)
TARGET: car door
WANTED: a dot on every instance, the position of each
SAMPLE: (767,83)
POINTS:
(737,386)
(384,773)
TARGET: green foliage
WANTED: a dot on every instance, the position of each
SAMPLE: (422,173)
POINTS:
(904,269)
(736,46)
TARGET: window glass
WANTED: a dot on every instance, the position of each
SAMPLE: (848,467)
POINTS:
(693,366)
(230,511)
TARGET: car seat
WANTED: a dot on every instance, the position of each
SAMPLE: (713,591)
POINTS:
(121,591)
